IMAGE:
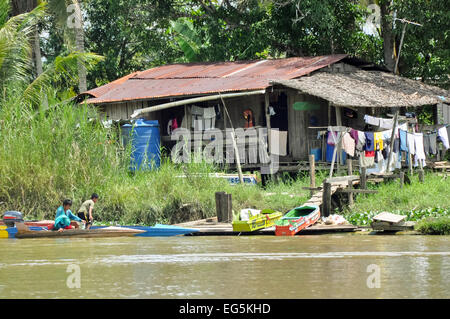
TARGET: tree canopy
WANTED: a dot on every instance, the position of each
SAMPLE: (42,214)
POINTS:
(138,34)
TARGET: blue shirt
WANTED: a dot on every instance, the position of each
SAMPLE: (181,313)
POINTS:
(63,219)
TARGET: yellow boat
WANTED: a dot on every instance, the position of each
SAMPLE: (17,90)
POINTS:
(266,218)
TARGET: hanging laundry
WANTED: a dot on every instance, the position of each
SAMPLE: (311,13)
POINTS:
(218,113)
(418,145)
(403,126)
(209,116)
(369,145)
(386,123)
(354,135)
(271,111)
(429,143)
(332,138)
(396,148)
(360,144)
(378,141)
(380,164)
(375,121)
(443,136)
(386,135)
(348,143)
(410,143)
(403,141)
(366,161)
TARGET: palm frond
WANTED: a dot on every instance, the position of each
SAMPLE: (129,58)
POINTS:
(64,68)
(15,46)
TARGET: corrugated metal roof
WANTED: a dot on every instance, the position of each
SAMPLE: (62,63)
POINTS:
(206,78)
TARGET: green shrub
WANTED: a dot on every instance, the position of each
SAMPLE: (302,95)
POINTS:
(434,226)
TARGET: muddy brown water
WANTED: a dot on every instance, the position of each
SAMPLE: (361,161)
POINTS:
(324,266)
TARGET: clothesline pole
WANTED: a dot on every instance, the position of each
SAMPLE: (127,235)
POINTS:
(236,150)
(334,154)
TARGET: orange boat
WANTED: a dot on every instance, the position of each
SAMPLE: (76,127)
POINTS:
(297,219)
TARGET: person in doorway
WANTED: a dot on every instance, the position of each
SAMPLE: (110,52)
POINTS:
(86,209)
(64,216)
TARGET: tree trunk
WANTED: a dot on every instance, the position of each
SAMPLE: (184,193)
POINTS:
(37,52)
(387,35)
(79,44)
(23,6)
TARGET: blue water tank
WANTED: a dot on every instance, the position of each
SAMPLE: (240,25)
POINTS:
(145,139)
(317,152)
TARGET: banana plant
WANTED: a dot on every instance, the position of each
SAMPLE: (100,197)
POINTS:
(187,38)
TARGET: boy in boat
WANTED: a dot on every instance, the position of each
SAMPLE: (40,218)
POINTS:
(86,209)
(64,216)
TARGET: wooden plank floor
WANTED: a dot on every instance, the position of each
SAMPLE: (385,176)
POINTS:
(210,227)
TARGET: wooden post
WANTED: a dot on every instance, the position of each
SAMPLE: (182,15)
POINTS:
(410,167)
(339,145)
(269,127)
(363,178)
(312,173)
(402,179)
(350,195)
(421,176)
(349,167)
(326,199)
(224,207)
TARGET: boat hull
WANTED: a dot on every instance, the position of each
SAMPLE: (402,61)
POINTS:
(260,222)
(83,233)
(289,226)
(159,230)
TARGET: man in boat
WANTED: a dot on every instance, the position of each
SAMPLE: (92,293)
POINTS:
(86,209)
(64,216)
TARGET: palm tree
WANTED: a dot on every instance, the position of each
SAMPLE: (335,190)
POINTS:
(74,36)
(68,14)
(16,57)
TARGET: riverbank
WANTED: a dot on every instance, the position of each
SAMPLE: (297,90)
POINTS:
(49,155)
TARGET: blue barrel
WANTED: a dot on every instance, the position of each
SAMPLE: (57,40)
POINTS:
(145,139)
(329,155)
(317,152)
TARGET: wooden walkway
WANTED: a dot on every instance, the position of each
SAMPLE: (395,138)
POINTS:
(210,227)
(336,184)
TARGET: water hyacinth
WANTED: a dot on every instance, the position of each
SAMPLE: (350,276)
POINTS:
(365,218)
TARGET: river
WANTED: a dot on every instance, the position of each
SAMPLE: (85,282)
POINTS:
(322,266)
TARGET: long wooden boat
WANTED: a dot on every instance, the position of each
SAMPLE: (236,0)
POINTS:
(266,218)
(297,219)
(24,231)
(159,230)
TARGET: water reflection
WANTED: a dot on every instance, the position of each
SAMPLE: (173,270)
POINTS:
(328,266)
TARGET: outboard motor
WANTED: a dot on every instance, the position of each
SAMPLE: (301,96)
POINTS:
(10,218)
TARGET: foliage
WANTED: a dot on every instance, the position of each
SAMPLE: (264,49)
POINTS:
(426,50)
(15,47)
(131,35)
(434,226)
(365,218)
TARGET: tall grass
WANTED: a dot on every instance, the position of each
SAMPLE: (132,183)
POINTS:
(46,156)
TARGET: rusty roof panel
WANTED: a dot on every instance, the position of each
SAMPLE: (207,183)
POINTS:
(206,78)
(136,89)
